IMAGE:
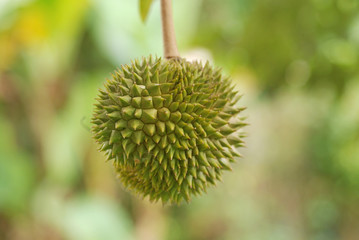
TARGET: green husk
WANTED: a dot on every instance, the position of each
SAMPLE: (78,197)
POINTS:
(171,127)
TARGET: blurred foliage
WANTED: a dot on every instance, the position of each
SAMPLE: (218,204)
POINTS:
(274,35)
(296,61)
(145,6)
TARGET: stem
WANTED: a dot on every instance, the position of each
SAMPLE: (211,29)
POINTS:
(169,36)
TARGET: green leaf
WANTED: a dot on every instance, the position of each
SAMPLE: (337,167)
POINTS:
(145,6)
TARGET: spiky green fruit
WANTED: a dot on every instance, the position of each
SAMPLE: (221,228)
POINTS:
(171,127)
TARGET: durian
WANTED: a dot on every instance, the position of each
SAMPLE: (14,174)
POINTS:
(170,126)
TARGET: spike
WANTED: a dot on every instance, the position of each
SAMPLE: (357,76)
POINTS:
(168,99)
(175,117)
(158,101)
(154,90)
(161,127)
(149,129)
(149,116)
(174,106)
(138,113)
(135,124)
(136,91)
(137,137)
(115,136)
(114,115)
(146,102)
(127,112)
(121,124)
(170,126)
(136,102)
(164,114)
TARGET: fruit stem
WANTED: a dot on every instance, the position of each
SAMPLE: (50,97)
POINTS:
(168,30)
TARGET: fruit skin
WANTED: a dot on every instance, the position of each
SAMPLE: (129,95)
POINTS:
(171,127)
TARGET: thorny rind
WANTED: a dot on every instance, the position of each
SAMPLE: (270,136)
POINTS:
(171,127)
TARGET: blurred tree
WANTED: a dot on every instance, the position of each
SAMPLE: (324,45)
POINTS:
(269,36)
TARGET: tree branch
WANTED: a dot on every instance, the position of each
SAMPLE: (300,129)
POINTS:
(169,36)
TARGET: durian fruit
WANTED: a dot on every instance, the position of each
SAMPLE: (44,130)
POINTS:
(171,127)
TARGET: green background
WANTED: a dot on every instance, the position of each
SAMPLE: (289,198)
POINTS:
(295,61)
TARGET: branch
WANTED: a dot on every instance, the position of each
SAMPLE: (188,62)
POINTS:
(169,36)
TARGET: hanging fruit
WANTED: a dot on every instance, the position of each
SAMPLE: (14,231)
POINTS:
(170,126)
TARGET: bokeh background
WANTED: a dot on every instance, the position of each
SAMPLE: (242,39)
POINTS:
(295,61)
